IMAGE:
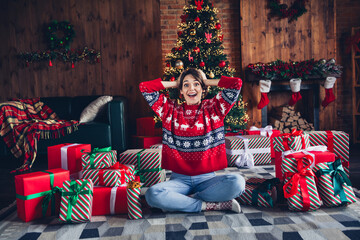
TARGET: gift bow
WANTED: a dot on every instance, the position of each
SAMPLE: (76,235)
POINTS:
(339,178)
(93,153)
(268,129)
(76,190)
(263,188)
(306,151)
(294,133)
(245,159)
(116,166)
(300,178)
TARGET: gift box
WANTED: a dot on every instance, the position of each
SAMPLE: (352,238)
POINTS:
(114,176)
(110,200)
(67,156)
(98,158)
(259,192)
(156,146)
(147,164)
(235,133)
(76,201)
(296,140)
(247,150)
(336,141)
(320,155)
(266,132)
(299,186)
(133,200)
(145,141)
(38,193)
(333,184)
(145,126)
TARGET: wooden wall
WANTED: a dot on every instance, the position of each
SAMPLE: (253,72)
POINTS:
(126,32)
(313,35)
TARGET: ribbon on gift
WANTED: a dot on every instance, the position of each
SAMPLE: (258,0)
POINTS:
(48,195)
(306,151)
(113,199)
(339,178)
(64,158)
(263,131)
(299,178)
(294,133)
(117,166)
(93,154)
(246,158)
(263,188)
(140,171)
(74,196)
(330,140)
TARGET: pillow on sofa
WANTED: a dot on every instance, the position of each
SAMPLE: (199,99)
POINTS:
(93,109)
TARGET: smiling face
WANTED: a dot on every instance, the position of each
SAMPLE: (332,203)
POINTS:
(191,89)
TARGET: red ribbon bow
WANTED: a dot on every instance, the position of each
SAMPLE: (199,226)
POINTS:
(294,133)
(117,166)
(300,178)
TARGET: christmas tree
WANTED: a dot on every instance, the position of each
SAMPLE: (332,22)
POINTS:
(199,45)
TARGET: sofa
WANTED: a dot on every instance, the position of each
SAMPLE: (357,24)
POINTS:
(107,129)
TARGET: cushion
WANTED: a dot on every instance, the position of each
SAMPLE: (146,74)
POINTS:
(93,109)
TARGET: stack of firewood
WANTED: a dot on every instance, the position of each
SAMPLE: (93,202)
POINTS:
(285,118)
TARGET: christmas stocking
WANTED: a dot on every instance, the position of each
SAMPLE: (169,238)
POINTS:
(295,85)
(329,95)
(265,86)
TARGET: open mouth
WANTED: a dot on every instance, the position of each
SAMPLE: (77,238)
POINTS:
(192,95)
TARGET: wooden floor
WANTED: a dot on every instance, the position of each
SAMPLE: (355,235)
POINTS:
(7,192)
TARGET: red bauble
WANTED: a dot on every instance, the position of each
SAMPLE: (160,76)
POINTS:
(217,26)
(222,64)
(197,19)
(180,48)
(172,78)
(180,33)
(202,64)
(196,49)
(167,64)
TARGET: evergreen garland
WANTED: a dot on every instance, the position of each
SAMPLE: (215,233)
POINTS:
(281,11)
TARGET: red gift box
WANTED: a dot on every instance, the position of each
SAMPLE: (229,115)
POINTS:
(146,141)
(145,126)
(267,133)
(34,187)
(110,200)
(320,157)
(67,156)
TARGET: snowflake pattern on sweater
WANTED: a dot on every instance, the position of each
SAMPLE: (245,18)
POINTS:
(193,135)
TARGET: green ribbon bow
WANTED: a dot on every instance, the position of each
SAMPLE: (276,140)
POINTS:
(48,195)
(141,171)
(339,178)
(76,190)
(93,153)
(263,188)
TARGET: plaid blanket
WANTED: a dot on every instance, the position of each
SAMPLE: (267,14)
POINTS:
(24,122)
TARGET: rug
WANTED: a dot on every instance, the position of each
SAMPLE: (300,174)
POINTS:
(252,223)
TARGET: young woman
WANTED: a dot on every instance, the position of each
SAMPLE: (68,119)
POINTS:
(194,144)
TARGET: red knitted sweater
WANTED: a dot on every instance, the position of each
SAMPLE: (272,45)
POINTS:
(193,135)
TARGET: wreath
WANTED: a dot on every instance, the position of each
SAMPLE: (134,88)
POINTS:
(283,11)
(59,35)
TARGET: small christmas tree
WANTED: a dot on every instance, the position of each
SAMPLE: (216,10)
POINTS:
(199,45)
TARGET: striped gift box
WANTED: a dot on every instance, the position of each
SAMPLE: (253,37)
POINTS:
(99,160)
(305,189)
(258,146)
(110,177)
(336,141)
(295,143)
(147,164)
(259,192)
(76,201)
(156,146)
(333,184)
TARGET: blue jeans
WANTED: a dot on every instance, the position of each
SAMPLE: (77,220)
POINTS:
(173,195)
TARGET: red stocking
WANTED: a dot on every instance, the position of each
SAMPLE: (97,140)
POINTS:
(295,85)
(329,95)
(265,86)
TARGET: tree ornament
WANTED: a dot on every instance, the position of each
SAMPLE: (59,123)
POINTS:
(198,4)
(196,49)
(282,11)
(179,64)
(172,79)
(179,33)
(222,64)
(221,37)
(211,18)
(208,37)
(193,32)
(180,48)
(217,26)
(207,8)
(168,64)
(202,64)
(197,19)
(191,59)
(59,35)
(211,75)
